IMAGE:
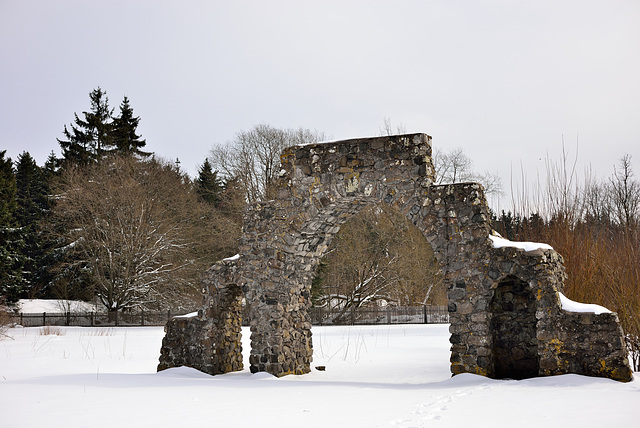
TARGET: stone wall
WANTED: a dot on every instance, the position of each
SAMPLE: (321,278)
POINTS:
(506,319)
(584,343)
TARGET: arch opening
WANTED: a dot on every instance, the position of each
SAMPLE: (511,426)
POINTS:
(377,258)
(513,326)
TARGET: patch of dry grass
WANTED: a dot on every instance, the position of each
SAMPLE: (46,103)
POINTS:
(51,330)
(5,322)
(101,332)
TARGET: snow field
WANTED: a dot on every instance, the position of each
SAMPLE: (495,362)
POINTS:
(376,376)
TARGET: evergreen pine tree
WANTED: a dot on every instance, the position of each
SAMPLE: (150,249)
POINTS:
(50,169)
(125,139)
(49,258)
(11,243)
(7,191)
(33,205)
(507,225)
(28,181)
(208,185)
(90,138)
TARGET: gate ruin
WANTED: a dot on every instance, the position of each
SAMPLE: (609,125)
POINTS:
(505,311)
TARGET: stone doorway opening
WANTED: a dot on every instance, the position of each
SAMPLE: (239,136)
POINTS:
(513,326)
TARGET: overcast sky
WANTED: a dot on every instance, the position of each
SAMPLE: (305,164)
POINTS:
(505,81)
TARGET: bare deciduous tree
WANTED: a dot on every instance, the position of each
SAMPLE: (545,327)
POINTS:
(454,166)
(252,158)
(139,232)
(625,194)
(387,128)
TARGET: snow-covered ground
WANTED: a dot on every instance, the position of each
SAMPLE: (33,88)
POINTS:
(54,306)
(376,376)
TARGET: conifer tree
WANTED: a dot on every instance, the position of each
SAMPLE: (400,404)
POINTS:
(33,205)
(11,243)
(208,185)
(7,191)
(29,188)
(125,139)
(88,139)
(50,168)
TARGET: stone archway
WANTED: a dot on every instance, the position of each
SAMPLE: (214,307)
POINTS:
(320,187)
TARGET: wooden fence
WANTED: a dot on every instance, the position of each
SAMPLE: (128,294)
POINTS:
(319,316)
(381,315)
(91,319)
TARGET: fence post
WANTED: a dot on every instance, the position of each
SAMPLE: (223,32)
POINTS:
(91,317)
(21,321)
(116,318)
(388,315)
(424,313)
(44,319)
(68,318)
(142,318)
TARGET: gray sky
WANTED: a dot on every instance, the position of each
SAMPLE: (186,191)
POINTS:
(503,80)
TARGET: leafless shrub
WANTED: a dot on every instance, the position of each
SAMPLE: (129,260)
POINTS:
(633,346)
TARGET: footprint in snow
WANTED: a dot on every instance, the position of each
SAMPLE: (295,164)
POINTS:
(431,410)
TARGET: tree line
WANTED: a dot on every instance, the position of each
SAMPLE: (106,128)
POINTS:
(109,222)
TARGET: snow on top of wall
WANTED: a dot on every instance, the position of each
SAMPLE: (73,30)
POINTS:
(54,306)
(232,258)
(189,315)
(571,306)
(319,142)
(341,140)
(499,242)
(333,141)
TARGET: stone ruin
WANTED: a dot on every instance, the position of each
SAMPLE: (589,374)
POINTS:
(506,316)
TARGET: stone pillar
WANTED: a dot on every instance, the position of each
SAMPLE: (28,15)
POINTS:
(211,340)
(456,224)
(275,289)
(281,333)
